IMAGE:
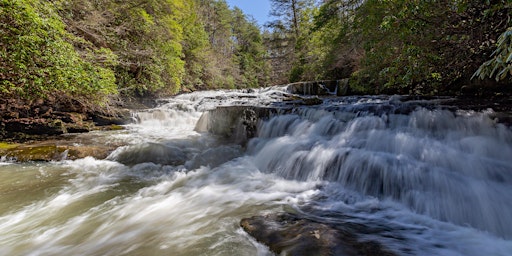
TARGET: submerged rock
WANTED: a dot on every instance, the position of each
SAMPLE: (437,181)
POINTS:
(149,152)
(288,234)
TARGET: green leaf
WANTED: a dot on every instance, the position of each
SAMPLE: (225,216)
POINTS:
(509,58)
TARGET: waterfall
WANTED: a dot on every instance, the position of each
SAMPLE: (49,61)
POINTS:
(452,166)
(415,175)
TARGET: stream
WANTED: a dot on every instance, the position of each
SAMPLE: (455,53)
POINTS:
(418,178)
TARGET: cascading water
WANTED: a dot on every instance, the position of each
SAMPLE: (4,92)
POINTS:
(452,167)
(421,180)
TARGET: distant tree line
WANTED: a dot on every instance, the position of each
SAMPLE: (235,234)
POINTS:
(93,50)
(397,46)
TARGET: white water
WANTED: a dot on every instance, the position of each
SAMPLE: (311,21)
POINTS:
(428,182)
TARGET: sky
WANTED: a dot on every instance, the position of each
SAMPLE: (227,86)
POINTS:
(259,9)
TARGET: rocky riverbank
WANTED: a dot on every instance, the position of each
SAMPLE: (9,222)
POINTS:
(40,119)
(32,130)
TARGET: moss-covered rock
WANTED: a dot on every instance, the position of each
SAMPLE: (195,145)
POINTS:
(53,151)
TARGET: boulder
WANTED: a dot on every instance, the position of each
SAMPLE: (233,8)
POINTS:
(237,124)
(288,234)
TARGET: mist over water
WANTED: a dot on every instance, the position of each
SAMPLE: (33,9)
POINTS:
(420,179)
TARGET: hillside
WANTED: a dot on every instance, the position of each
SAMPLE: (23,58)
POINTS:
(67,62)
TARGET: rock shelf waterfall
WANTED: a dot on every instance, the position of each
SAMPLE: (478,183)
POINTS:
(419,177)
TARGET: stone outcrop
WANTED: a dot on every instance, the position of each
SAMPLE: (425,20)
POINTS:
(288,234)
(326,87)
(237,124)
(24,120)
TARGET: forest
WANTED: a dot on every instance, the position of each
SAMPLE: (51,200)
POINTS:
(95,52)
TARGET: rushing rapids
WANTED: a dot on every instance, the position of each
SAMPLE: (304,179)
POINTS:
(417,177)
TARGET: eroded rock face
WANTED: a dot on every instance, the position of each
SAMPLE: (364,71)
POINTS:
(288,234)
(312,88)
(236,123)
(24,120)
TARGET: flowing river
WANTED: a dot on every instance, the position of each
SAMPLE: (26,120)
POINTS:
(418,178)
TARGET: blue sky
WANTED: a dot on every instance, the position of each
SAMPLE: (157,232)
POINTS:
(259,9)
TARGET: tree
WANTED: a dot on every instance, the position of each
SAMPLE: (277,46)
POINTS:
(389,46)
(339,39)
(425,47)
(196,49)
(284,40)
(500,66)
(38,60)
(250,53)
(237,56)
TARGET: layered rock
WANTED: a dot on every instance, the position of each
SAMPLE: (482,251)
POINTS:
(23,120)
(238,124)
(326,87)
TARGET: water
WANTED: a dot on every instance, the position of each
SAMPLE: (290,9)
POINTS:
(419,179)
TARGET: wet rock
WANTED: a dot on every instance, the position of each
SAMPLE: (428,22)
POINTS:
(288,234)
(327,87)
(149,152)
(238,124)
(53,150)
(296,100)
(35,126)
(342,87)
(121,117)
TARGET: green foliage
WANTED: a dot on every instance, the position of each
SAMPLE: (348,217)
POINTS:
(399,53)
(288,41)
(500,66)
(250,53)
(148,42)
(237,56)
(195,49)
(407,46)
(91,50)
(37,59)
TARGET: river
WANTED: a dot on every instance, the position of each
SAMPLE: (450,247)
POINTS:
(418,178)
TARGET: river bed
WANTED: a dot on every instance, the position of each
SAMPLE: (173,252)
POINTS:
(418,178)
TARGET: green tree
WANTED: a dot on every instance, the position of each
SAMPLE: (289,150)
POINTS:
(196,49)
(285,40)
(150,48)
(220,68)
(37,59)
(236,56)
(500,66)
(413,46)
(250,53)
(339,41)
